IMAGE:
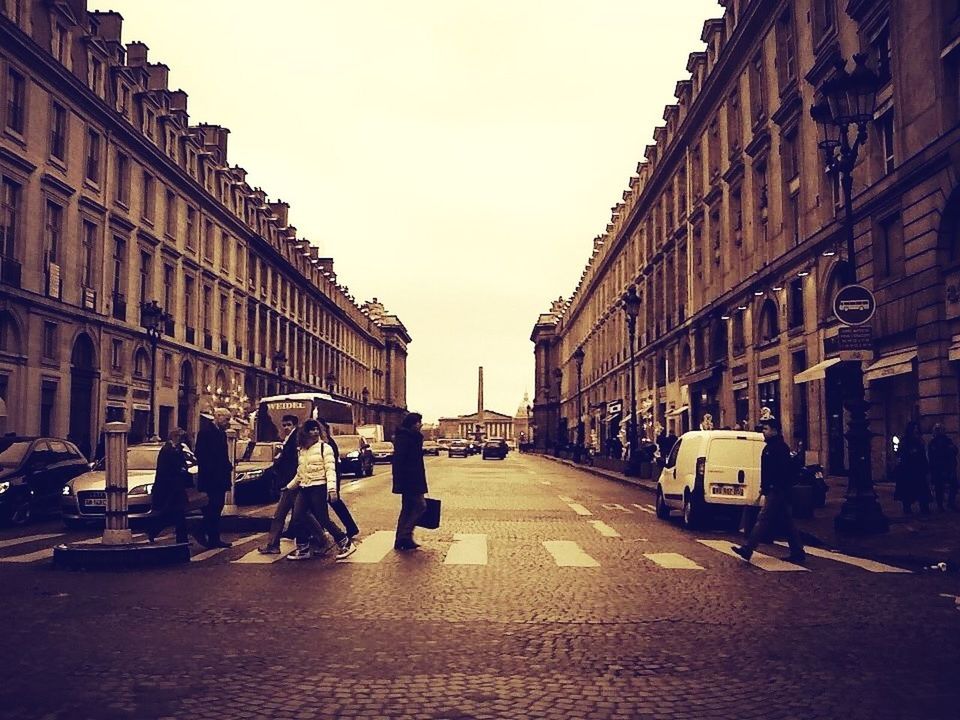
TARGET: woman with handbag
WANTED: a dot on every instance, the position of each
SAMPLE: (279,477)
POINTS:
(409,479)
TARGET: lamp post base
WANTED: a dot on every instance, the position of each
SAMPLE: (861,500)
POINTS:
(861,515)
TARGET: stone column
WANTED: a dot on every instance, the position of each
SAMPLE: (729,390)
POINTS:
(117,526)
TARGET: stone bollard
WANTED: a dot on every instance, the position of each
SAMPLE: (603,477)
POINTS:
(117,526)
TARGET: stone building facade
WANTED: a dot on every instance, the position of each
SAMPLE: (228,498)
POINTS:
(110,198)
(733,235)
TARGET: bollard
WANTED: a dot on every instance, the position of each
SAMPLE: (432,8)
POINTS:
(117,526)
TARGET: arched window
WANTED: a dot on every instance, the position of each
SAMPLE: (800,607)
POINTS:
(834,283)
(718,341)
(739,339)
(769,326)
(9,334)
(685,358)
(141,363)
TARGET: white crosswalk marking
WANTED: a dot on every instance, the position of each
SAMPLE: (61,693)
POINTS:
(567,553)
(255,557)
(868,565)
(207,554)
(467,549)
(645,508)
(545,482)
(604,529)
(47,553)
(616,506)
(579,509)
(26,539)
(566,499)
(373,548)
(674,561)
(764,562)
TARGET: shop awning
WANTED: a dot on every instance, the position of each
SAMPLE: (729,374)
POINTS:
(678,411)
(890,365)
(817,372)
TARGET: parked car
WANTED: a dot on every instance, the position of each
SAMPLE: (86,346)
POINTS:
(444,444)
(382,451)
(459,448)
(84,499)
(33,472)
(494,450)
(710,471)
(356,457)
(431,447)
(252,481)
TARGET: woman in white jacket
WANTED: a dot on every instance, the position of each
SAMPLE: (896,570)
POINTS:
(317,479)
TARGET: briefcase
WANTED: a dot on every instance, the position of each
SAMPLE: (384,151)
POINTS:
(431,516)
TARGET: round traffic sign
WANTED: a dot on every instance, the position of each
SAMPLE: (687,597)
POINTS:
(854,304)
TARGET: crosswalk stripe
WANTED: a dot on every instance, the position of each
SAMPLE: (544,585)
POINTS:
(566,499)
(567,553)
(674,561)
(868,565)
(467,549)
(255,557)
(645,508)
(206,554)
(604,529)
(27,539)
(764,562)
(47,553)
(373,548)
(579,509)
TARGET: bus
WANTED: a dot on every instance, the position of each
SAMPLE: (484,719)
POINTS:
(304,406)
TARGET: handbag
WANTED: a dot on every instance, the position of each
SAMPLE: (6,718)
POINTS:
(430,518)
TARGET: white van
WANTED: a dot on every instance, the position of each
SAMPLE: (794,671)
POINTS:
(709,471)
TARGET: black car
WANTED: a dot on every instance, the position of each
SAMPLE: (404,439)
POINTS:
(494,449)
(356,458)
(33,473)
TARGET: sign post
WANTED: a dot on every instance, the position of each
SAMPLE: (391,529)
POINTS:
(854,305)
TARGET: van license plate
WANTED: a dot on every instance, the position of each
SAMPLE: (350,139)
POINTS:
(727,490)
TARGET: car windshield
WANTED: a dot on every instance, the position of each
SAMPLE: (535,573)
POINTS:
(381,446)
(12,452)
(262,452)
(347,443)
(143,458)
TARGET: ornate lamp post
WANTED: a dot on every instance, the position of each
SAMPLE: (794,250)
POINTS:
(578,355)
(280,368)
(331,380)
(153,318)
(848,103)
(364,398)
(631,308)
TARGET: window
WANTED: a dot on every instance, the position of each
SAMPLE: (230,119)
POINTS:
(885,134)
(95,75)
(769,395)
(714,148)
(149,196)
(146,276)
(123,179)
(140,363)
(53,232)
(237,323)
(191,229)
(123,100)
(224,308)
(49,341)
(60,43)
(208,230)
(734,120)
(880,49)
(9,207)
(824,20)
(167,366)
(788,152)
(800,415)
(206,309)
(225,251)
(58,132)
(93,156)
(16,101)
(757,99)
(188,308)
(170,225)
(786,50)
(736,214)
(761,201)
(88,241)
(769,324)
(795,304)
(116,354)
(792,219)
(168,289)
(739,339)
(119,255)
(889,262)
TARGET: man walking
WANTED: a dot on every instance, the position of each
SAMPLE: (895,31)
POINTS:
(169,492)
(777,474)
(942,457)
(285,468)
(214,474)
(409,479)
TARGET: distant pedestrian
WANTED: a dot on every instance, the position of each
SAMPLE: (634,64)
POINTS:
(777,477)
(214,474)
(409,479)
(942,455)
(168,497)
(912,485)
(284,468)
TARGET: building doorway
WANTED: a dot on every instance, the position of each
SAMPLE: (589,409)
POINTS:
(83,373)
(833,403)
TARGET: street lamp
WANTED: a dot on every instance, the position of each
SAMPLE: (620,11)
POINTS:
(280,367)
(631,308)
(578,359)
(364,398)
(849,100)
(153,318)
(331,379)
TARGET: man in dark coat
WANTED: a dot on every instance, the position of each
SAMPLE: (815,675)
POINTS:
(214,473)
(284,467)
(169,493)
(409,479)
(942,456)
(777,477)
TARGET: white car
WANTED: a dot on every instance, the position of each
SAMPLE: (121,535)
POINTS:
(708,472)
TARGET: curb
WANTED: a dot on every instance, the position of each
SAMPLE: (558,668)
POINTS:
(113,557)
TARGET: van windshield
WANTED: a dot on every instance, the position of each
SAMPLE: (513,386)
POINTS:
(734,452)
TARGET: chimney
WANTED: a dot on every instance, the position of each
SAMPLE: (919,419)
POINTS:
(480,392)
(109,24)
(159,75)
(280,208)
(178,101)
(136,54)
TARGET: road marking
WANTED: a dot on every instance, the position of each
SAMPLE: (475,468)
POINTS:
(467,549)
(199,557)
(48,552)
(567,553)
(373,548)
(255,557)
(674,561)
(868,565)
(566,499)
(645,508)
(616,506)
(604,529)
(545,482)
(764,562)
(26,539)
(579,509)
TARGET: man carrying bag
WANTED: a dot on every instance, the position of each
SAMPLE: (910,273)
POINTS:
(409,479)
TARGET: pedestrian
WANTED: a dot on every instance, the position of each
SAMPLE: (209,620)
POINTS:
(409,479)
(214,474)
(777,475)
(284,468)
(338,505)
(168,497)
(912,485)
(317,479)
(942,455)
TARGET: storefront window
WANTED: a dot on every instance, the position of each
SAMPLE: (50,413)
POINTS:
(768,395)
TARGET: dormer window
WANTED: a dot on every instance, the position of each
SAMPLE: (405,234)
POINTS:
(60,43)
(95,74)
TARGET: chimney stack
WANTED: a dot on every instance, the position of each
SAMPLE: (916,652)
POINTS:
(480,393)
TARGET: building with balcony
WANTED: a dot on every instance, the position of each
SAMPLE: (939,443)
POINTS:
(109,199)
(733,235)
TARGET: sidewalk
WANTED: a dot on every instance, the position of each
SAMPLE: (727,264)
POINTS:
(913,541)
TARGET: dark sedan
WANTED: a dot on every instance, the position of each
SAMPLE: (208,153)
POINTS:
(494,449)
(459,448)
(33,473)
(355,455)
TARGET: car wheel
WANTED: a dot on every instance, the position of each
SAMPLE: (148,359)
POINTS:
(21,513)
(691,512)
(663,510)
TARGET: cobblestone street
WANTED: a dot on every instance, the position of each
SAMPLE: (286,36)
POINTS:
(635,619)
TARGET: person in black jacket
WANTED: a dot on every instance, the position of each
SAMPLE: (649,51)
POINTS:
(284,467)
(942,456)
(338,505)
(169,494)
(214,474)
(912,485)
(409,479)
(777,476)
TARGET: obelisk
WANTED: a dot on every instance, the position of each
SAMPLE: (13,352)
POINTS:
(480,393)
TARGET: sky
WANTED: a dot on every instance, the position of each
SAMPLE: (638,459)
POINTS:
(456,158)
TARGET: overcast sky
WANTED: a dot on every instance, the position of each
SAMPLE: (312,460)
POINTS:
(456,158)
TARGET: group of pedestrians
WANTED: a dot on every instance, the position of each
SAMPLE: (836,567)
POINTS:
(918,466)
